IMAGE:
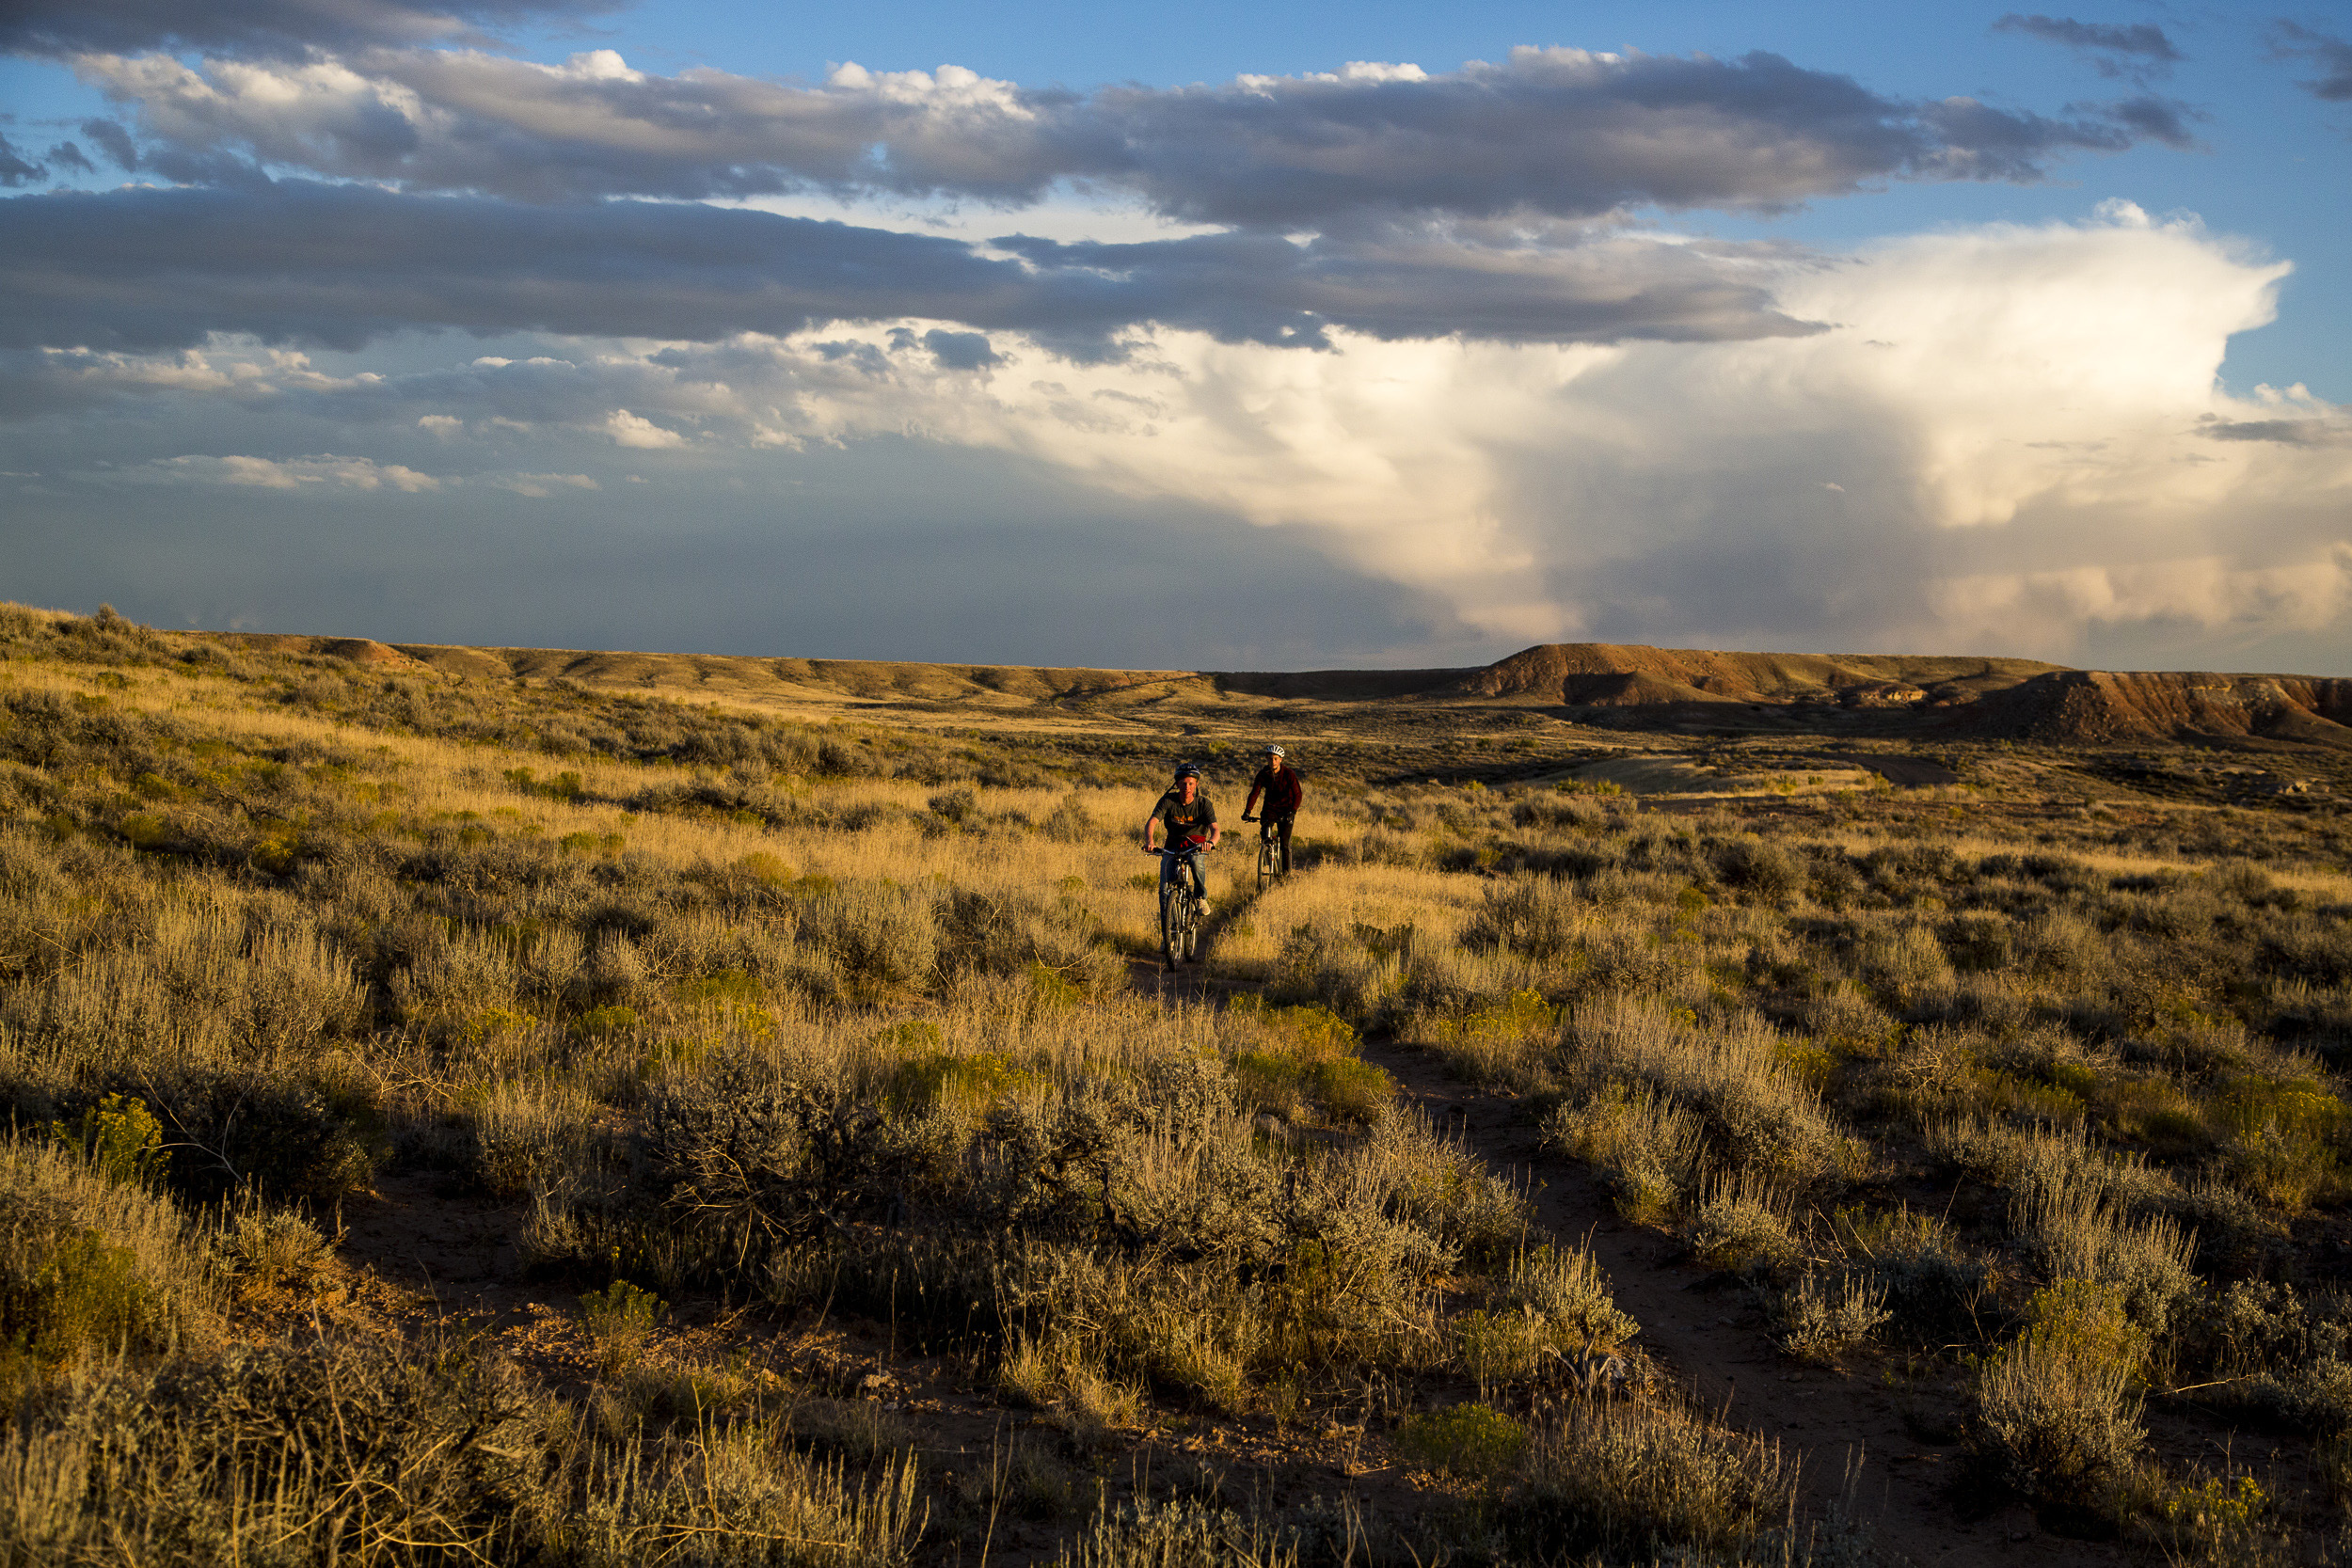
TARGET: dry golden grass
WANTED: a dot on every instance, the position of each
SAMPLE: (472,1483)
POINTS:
(811,1039)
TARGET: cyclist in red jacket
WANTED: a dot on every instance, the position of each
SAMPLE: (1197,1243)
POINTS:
(1277,780)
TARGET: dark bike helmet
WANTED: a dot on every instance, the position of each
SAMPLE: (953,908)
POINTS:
(1188,769)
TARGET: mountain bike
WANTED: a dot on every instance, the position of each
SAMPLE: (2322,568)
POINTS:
(1271,866)
(1180,909)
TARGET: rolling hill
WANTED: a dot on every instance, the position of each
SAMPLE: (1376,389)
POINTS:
(1607,685)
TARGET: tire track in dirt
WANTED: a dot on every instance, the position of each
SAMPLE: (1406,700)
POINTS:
(1706,1328)
(1710,1333)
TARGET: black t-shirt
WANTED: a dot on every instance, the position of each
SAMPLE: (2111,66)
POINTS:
(1185,821)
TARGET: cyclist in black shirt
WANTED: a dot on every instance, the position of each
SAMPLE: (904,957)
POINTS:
(1190,817)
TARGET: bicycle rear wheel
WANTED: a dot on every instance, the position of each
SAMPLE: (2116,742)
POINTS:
(1192,925)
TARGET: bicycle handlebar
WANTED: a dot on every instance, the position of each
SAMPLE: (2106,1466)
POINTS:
(1196,850)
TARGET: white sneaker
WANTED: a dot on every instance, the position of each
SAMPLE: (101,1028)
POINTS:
(1207,909)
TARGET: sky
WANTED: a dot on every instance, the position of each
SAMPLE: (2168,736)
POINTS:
(1222,336)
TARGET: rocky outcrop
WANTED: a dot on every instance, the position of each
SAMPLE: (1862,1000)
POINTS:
(2078,706)
(1595,674)
(2008,697)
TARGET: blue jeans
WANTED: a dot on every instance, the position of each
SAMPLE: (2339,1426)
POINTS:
(1171,865)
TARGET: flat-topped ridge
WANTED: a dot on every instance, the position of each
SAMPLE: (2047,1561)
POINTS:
(1621,684)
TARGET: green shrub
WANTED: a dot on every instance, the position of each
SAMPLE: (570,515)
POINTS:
(1474,1440)
(1436,1186)
(2054,1412)
(2146,1261)
(86,1263)
(619,1319)
(1739,1223)
(1562,1292)
(2222,1522)
(1311,1058)
(1766,870)
(1647,1146)
(605,1022)
(1068,822)
(749,1161)
(954,805)
(936,1078)
(2268,1348)
(119,1138)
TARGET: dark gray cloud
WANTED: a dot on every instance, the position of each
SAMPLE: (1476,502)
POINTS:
(1550,131)
(2330,54)
(15,168)
(2159,119)
(962,350)
(63,27)
(1423,282)
(2136,49)
(848,554)
(149,269)
(1567,133)
(2312,431)
(113,140)
(158,269)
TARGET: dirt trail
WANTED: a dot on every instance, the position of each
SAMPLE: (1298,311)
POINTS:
(428,1254)
(1709,1331)
(1705,1327)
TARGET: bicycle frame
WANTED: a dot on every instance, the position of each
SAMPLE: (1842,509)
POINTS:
(1273,854)
(1179,905)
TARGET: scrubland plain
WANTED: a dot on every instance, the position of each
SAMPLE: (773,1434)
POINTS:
(464,1119)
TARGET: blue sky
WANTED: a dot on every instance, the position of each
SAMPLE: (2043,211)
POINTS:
(1828,326)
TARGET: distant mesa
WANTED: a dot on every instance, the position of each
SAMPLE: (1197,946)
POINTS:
(1980,698)
(1619,685)
(1598,675)
(2089,706)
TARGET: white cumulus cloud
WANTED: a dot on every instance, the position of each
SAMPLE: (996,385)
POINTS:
(325,470)
(633,430)
(541,487)
(2026,421)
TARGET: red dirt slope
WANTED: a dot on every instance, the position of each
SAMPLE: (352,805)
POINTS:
(2015,698)
(1615,674)
(2079,705)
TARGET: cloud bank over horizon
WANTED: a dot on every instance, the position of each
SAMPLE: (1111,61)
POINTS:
(1449,332)
(1557,131)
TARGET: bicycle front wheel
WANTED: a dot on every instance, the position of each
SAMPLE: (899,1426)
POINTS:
(1269,862)
(1172,923)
